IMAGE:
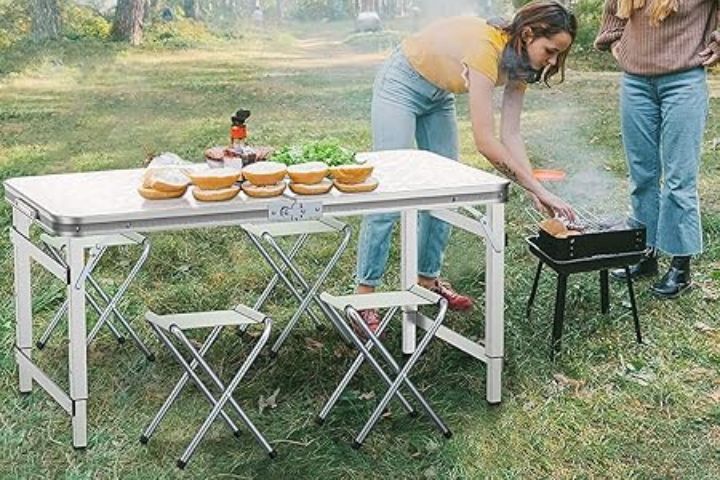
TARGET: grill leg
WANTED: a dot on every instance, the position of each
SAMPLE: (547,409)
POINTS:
(604,292)
(533,291)
(559,314)
(631,291)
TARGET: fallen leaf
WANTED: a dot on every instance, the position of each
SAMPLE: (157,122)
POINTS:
(269,402)
(367,395)
(703,328)
(313,344)
(562,381)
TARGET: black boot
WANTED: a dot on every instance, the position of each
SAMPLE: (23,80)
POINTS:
(676,280)
(646,267)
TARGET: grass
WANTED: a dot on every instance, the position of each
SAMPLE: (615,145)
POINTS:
(608,408)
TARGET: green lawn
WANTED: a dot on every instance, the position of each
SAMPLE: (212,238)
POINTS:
(608,408)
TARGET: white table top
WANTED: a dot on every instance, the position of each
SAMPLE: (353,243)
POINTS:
(89,203)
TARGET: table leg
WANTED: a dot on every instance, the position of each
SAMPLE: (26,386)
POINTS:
(23,299)
(495,300)
(408,274)
(77,347)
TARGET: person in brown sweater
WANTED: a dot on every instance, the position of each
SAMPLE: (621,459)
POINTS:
(664,48)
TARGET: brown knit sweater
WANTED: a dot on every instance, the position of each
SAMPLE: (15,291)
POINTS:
(672,46)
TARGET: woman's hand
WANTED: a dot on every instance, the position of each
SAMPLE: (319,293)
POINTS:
(553,205)
(711,54)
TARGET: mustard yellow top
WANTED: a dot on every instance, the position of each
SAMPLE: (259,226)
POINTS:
(441,51)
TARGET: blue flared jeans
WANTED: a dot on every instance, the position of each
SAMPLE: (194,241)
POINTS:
(407,110)
(663,119)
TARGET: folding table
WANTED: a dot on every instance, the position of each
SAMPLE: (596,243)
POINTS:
(81,205)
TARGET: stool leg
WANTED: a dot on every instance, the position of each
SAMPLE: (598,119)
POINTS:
(196,379)
(96,327)
(280,271)
(359,359)
(139,343)
(402,378)
(533,291)
(152,426)
(225,396)
(52,325)
(123,288)
(374,363)
(559,314)
(604,292)
(636,318)
(312,291)
(396,368)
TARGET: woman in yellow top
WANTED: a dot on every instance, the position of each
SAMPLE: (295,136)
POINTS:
(414,102)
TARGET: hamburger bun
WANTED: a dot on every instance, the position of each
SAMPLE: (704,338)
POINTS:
(168,180)
(307,173)
(319,188)
(554,227)
(367,186)
(152,194)
(264,173)
(215,178)
(263,191)
(217,195)
(349,174)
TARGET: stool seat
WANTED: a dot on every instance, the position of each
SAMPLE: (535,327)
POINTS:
(129,238)
(240,315)
(412,297)
(286,229)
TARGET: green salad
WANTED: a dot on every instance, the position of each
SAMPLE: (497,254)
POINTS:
(328,150)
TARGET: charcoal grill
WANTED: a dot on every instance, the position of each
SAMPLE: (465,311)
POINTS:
(602,244)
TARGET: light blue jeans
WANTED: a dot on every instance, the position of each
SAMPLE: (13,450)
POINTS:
(407,109)
(663,119)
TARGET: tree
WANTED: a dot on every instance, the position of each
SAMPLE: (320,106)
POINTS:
(128,23)
(192,9)
(45,15)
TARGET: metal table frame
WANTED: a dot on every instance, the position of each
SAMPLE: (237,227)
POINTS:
(72,205)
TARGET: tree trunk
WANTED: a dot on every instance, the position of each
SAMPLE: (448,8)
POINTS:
(128,23)
(45,16)
(192,9)
(279,8)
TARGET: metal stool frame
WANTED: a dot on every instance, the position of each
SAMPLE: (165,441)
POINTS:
(425,297)
(176,325)
(55,245)
(306,292)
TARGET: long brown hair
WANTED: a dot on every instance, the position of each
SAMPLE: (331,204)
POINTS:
(545,18)
(659,10)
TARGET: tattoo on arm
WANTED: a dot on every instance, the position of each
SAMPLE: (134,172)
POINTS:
(505,170)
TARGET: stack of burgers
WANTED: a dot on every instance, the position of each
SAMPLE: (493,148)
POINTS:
(163,183)
(309,178)
(215,184)
(264,179)
(354,178)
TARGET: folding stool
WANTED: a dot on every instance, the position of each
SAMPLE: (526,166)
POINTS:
(177,324)
(302,290)
(56,246)
(350,304)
